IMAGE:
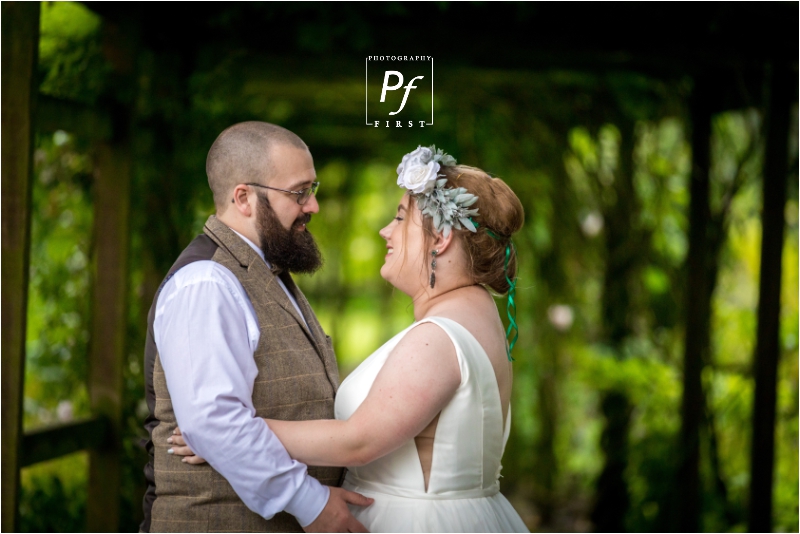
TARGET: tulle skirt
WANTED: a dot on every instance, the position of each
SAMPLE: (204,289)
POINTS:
(391,513)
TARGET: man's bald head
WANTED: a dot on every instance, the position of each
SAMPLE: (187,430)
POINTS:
(241,154)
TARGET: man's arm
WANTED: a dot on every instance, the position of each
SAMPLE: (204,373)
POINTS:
(206,348)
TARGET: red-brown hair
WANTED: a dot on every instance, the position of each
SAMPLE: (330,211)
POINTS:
(499,213)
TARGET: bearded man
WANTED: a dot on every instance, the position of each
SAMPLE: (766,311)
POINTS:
(231,340)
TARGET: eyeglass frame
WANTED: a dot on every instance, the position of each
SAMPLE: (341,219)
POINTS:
(300,197)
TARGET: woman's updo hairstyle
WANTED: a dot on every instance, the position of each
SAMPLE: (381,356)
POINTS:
(499,213)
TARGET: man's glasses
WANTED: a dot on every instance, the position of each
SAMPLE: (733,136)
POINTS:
(302,196)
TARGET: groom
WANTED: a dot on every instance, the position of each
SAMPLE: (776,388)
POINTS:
(231,340)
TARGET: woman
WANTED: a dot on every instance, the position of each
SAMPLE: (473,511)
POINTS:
(423,421)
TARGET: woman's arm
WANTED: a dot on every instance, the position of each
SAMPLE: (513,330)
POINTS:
(419,378)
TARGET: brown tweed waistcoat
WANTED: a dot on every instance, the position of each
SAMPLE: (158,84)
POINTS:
(297,380)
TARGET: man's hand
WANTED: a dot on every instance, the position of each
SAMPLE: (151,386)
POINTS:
(336,516)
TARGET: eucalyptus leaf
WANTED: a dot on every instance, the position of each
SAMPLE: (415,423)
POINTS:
(467,224)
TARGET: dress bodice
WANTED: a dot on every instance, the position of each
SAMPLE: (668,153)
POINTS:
(470,436)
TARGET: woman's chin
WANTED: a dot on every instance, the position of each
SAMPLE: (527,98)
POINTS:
(386,275)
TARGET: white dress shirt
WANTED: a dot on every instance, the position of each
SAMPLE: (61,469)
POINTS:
(206,332)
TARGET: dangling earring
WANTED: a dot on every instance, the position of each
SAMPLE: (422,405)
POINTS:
(433,267)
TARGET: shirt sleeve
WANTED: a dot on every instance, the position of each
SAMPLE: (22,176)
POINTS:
(201,330)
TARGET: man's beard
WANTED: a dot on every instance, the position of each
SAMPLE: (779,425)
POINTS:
(291,250)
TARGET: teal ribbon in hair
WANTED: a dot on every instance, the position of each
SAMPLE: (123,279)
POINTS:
(511,305)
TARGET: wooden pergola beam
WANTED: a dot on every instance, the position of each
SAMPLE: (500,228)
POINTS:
(767,353)
(80,120)
(697,311)
(108,350)
(20,42)
(107,353)
(60,440)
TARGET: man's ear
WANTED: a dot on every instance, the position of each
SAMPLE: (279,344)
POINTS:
(241,200)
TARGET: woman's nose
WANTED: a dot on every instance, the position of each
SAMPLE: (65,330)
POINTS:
(385,233)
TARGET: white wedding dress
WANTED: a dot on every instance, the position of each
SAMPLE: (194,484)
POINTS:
(463,492)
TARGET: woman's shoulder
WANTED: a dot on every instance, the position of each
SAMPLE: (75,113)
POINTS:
(472,324)
(429,335)
(475,312)
(425,354)
(458,330)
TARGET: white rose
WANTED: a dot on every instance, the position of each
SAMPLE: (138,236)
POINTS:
(418,172)
(420,155)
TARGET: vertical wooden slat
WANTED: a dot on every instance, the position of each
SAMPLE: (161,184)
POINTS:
(697,313)
(618,304)
(20,43)
(112,178)
(776,169)
(109,319)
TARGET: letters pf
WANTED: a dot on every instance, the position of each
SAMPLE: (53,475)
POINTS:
(408,87)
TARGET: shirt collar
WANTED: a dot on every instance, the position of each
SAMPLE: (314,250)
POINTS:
(254,247)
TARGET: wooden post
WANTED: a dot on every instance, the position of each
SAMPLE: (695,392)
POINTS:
(697,314)
(107,354)
(765,366)
(618,304)
(20,43)
(109,322)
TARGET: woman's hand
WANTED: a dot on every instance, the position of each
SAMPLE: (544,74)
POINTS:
(180,448)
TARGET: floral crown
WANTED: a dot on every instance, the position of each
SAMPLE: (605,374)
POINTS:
(448,206)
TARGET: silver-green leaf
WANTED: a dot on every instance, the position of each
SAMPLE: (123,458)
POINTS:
(467,224)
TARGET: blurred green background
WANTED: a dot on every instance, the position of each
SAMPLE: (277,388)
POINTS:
(600,159)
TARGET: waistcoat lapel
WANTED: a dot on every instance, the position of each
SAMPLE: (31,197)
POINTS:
(255,265)
(305,307)
(323,345)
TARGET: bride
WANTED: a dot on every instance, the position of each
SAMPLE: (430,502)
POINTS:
(422,423)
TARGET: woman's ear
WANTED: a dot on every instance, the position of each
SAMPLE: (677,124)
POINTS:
(443,243)
(241,200)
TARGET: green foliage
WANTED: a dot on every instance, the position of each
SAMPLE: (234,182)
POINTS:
(558,138)
(58,317)
(53,496)
(71,64)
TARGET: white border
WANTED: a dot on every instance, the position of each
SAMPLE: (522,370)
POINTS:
(366,93)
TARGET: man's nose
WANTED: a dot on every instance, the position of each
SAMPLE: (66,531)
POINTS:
(311,205)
